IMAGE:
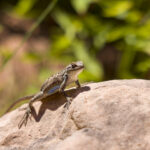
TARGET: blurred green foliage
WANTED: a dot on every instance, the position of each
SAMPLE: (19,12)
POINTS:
(112,38)
(79,29)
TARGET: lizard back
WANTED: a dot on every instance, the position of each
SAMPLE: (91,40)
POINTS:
(52,84)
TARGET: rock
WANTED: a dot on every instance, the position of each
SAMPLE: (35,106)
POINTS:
(111,115)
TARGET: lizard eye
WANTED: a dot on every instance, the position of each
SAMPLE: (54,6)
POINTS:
(73,65)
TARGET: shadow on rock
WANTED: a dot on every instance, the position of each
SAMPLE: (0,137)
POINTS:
(55,101)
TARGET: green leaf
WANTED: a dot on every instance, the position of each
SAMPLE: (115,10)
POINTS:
(24,6)
(60,44)
(115,8)
(81,6)
(143,66)
(92,66)
(133,16)
(144,30)
(68,23)
(116,33)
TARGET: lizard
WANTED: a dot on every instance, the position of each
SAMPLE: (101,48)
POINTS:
(55,83)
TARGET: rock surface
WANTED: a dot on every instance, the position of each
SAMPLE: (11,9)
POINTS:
(111,115)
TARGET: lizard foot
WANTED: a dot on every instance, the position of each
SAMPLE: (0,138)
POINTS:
(67,104)
(24,120)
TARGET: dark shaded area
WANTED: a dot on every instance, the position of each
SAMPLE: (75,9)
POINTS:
(57,100)
(109,57)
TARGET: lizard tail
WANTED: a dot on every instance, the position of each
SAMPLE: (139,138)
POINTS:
(17,101)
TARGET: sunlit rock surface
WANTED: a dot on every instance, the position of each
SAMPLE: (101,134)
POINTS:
(111,115)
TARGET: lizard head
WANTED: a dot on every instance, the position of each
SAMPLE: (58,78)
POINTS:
(75,68)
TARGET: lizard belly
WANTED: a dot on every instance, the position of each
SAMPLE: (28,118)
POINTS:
(53,90)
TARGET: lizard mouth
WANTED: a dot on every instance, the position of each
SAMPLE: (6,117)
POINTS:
(80,68)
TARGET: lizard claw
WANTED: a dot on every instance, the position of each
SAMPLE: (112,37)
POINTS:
(24,120)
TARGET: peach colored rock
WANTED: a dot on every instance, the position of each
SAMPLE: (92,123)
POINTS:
(111,115)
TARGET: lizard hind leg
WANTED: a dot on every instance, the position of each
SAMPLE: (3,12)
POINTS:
(24,118)
(27,114)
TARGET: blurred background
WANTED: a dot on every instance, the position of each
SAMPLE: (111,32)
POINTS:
(112,38)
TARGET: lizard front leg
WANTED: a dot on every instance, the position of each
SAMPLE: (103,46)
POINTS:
(77,83)
(24,120)
(62,88)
